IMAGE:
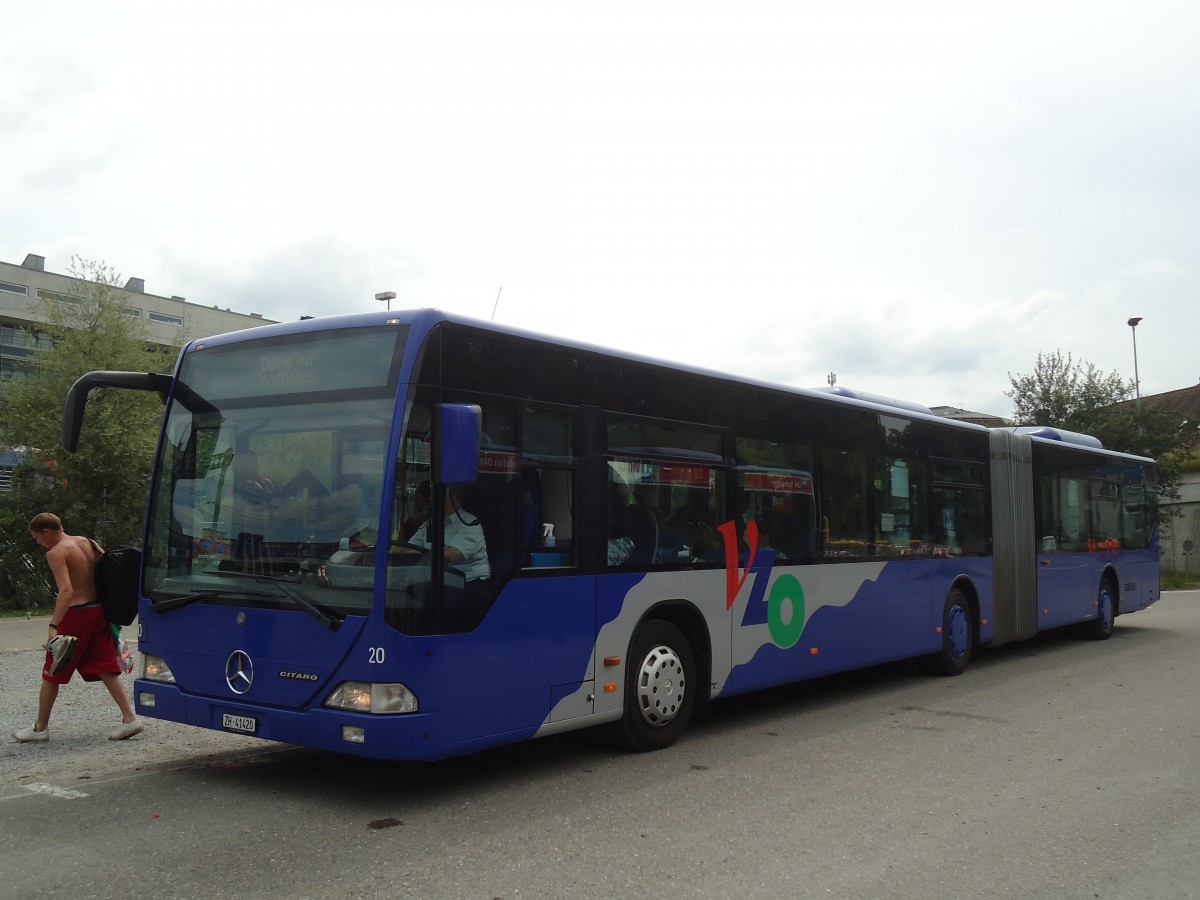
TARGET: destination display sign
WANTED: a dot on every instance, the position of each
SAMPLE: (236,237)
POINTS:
(349,360)
(778,482)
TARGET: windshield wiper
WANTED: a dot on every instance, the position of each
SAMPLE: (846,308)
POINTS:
(327,619)
(162,606)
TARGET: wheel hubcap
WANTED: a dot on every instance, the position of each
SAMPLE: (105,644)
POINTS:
(957,628)
(1106,608)
(660,686)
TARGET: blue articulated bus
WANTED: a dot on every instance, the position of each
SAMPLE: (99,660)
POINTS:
(412,535)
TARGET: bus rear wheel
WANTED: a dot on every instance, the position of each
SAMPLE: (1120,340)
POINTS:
(659,687)
(958,634)
(1101,627)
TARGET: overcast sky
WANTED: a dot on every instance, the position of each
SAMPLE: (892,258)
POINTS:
(919,197)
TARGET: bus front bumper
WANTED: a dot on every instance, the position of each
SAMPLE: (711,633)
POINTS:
(405,736)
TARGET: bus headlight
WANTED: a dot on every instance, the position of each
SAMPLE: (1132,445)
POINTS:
(155,669)
(370,697)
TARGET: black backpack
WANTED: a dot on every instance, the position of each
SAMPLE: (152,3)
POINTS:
(117,574)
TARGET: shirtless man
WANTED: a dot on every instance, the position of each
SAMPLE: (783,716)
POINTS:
(78,614)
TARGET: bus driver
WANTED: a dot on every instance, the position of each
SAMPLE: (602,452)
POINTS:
(466,548)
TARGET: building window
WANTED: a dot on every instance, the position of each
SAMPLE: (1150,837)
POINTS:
(23,338)
(14,288)
(165,319)
(61,298)
(132,311)
(13,368)
(15,336)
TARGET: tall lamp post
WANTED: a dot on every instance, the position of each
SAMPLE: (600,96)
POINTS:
(389,296)
(1137,384)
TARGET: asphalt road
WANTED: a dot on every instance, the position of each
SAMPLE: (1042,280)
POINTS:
(1055,768)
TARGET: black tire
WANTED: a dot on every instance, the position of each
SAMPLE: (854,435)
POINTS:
(660,687)
(958,634)
(1101,627)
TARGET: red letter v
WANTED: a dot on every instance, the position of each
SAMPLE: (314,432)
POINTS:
(733,583)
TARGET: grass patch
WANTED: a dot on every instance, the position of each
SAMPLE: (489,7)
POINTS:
(1180,581)
(20,613)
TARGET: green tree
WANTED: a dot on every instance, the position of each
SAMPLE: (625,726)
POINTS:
(100,490)
(1065,393)
(1076,396)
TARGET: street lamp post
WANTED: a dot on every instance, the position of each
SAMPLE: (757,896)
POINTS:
(1137,384)
(389,296)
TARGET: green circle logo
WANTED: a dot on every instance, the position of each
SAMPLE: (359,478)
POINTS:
(787,594)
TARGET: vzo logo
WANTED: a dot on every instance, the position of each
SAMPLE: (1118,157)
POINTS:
(785,605)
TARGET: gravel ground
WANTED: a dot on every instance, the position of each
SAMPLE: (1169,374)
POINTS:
(78,749)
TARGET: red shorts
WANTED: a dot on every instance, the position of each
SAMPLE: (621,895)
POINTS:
(96,652)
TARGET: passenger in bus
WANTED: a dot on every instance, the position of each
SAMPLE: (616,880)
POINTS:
(764,526)
(707,546)
(620,539)
(677,536)
(465,546)
(687,538)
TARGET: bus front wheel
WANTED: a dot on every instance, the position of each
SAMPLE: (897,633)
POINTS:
(958,634)
(660,688)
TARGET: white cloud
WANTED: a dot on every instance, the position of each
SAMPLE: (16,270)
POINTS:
(919,198)
(1154,268)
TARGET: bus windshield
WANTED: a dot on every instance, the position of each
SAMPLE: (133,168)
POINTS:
(267,471)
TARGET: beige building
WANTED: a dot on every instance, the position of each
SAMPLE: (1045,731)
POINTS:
(965,415)
(24,290)
(1181,517)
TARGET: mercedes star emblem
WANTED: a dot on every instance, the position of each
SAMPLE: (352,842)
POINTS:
(239,671)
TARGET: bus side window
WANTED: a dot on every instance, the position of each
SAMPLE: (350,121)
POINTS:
(665,513)
(1074,512)
(776,489)
(1106,510)
(1138,507)
(782,506)
(547,493)
(844,503)
(495,495)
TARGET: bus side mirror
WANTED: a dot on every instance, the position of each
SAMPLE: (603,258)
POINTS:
(456,431)
(82,390)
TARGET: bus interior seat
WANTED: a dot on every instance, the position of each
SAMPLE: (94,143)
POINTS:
(643,531)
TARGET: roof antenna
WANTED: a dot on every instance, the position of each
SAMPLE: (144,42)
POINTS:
(497,303)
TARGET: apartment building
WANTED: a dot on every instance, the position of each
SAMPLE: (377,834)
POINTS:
(25,288)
